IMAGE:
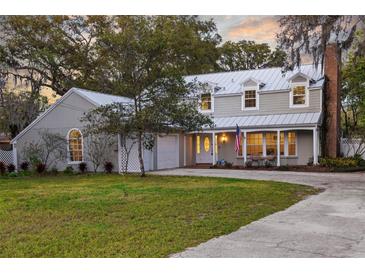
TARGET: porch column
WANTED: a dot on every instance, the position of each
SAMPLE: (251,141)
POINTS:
(244,148)
(315,147)
(213,143)
(278,148)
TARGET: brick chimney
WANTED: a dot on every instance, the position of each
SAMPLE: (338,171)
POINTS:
(332,101)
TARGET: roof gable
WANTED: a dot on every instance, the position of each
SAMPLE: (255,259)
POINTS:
(95,98)
(250,82)
(299,77)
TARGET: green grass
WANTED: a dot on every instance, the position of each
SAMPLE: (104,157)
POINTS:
(129,216)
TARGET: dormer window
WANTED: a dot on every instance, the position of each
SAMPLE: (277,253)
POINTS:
(250,99)
(299,95)
(250,96)
(206,102)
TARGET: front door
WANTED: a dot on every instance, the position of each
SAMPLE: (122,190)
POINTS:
(203,148)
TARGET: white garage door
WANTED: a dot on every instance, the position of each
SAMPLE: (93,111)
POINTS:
(167,151)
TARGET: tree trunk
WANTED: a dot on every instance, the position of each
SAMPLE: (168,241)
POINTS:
(140,158)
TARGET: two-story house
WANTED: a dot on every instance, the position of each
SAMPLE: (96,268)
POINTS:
(284,118)
(278,114)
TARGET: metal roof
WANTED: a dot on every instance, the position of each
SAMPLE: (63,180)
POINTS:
(272,120)
(273,79)
(99,98)
(96,98)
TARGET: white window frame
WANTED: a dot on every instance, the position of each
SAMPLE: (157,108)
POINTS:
(68,147)
(287,144)
(291,95)
(210,90)
(264,145)
(243,98)
(211,103)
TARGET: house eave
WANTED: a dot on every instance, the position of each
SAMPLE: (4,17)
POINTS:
(45,113)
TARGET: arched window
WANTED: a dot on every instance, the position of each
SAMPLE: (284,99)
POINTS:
(75,145)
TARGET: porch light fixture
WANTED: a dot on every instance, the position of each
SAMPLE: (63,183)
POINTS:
(224,138)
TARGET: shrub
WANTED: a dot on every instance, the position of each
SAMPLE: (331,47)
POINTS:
(339,162)
(68,170)
(108,167)
(249,163)
(24,166)
(40,168)
(283,168)
(357,157)
(228,165)
(24,173)
(83,167)
(267,163)
(11,168)
(362,162)
(12,175)
(54,171)
(2,168)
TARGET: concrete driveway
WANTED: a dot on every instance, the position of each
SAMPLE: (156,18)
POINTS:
(330,224)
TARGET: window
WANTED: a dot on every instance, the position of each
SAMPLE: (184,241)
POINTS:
(206,144)
(271,144)
(299,97)
(206,101)
(292,144)
(250,99)
(75,146)
(198,144)
(254,144)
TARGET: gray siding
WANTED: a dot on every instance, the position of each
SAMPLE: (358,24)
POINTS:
(269,103)
(305,149)
(60,120)
(181,150)
(190,152)
(226,151)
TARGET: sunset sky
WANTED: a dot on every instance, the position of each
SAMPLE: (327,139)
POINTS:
(261,29)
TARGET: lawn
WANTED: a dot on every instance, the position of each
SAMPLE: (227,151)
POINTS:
(129,216)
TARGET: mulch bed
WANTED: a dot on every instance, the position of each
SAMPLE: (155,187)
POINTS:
(286,168)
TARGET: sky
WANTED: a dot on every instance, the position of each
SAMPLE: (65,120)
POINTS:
(261,29)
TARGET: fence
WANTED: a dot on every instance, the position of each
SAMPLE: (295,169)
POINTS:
(349,147)
(6,156)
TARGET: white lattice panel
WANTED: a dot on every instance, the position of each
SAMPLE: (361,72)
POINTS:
(6,156)
(351,146)
(133,162)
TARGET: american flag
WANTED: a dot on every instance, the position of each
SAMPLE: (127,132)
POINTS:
(238,139)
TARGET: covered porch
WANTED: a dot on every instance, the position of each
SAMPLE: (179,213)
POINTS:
(257,148)
(261,144)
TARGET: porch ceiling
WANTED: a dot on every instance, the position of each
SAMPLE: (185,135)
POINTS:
(272,120)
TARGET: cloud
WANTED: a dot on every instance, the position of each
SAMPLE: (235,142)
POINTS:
(261,29)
